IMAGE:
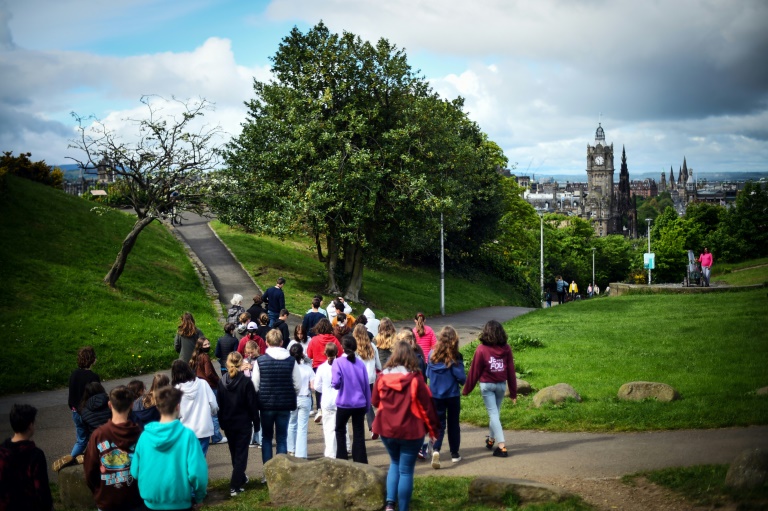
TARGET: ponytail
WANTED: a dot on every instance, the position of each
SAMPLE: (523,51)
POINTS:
(420,323)
(234,360)
(330,352)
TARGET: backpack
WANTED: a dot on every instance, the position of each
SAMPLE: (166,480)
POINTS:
(234,313)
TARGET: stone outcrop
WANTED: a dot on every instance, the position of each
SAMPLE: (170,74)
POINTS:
(762,391)
(555,394)
(749,469)
(498,491)
(639,390)
(325,483)
(73,491)
(523,388)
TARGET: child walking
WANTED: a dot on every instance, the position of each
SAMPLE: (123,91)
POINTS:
(328,402)
(493,366)
(350,378)
(79,378)
(297,424)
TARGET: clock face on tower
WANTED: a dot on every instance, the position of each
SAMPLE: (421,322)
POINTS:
(599,160)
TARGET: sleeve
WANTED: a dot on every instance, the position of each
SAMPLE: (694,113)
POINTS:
(309,348)
(211,397)
(338,346)
(458,372)
(319,382)
(375,394)
(253,406)
(347,308)
(511,377)
(177,343)
(217,352)
(336,377)
(376,355)
(91,464)
(40,478)
(197,468)
(367,391)
(474,372)
(305,324)
(135,461)
(255,375)
(424,397)
(296,378)
(210,372)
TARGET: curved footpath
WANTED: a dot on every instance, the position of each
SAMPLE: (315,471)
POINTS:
(576,461)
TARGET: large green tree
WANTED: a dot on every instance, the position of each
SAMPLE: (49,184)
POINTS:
(351,146)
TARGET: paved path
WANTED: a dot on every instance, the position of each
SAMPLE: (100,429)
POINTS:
(547,457)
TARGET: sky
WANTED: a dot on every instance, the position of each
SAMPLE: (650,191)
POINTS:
(666,79)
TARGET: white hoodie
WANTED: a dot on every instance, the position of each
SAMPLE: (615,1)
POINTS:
(277,353)
(331,309)
(198,405)
(373,323)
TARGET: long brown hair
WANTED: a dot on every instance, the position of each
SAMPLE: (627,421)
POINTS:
(364,348)
(385,339)
(159,381)
(187,327)
(234,359)
(403,355)
(420,323)
(197,352)
(447,347)
(493,334)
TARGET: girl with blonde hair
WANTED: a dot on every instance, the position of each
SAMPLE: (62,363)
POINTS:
(385,339)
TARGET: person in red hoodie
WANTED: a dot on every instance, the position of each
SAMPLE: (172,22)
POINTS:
(107,462)
(322,334)
(405,413)
(493,366)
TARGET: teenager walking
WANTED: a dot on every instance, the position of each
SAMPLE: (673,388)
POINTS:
(350,378)
(370,357)
(198,404)
(186,336)
(297,425)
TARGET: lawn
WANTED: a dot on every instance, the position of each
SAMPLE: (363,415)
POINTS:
(54,253)
(743,277)
(389,288)
(712,347)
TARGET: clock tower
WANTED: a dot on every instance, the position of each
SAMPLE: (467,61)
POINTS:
(600,205)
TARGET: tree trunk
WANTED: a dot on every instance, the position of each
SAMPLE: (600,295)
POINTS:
(356,275)
(349,258)
(119,265)
(331,263)
(318,245)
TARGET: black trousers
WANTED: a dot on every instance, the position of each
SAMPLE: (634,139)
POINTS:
(238,442)
(448,411)
(359,453)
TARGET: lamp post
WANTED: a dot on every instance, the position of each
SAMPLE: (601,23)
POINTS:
(593,268)
(649,220)
(541,219)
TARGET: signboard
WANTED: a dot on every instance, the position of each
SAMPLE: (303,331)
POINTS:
(649,261)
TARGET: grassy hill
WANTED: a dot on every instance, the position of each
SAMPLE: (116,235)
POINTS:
(389,288)
(54,251)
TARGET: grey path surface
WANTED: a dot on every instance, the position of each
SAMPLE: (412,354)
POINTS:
(547,457)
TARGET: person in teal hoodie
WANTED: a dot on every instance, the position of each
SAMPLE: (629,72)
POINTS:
(168,462)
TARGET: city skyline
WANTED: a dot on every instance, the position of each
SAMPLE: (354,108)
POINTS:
(666,81)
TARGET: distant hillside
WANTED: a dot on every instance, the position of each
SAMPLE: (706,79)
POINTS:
(54,252)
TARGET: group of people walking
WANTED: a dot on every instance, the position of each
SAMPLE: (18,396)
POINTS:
(136,445)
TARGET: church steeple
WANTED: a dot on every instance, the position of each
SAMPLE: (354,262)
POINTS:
(671,178)
(685,171)
(600,135)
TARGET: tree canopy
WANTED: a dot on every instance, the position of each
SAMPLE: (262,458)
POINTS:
(348,144)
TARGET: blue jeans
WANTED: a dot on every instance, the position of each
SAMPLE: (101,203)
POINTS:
(81,438)
(273,316)
(217,436)
(493,395)
(274,424)
(298,425)
(402,460)
(204,443)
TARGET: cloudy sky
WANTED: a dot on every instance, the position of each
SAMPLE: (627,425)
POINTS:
(667,78)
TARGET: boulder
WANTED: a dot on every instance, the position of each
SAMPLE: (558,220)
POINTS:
(498,491)
(749,470)
(762,391)
(73,491)
(639,390)
(325,483)
(555,394)
(523,388)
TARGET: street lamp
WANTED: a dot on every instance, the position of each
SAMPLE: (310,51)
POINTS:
(593,268)
(649,220)
(541,219)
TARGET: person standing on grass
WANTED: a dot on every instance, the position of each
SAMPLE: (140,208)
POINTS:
(107,463)
(385,339)
(226,345)
(23,472)
(297,425)
(425,336)
(79,378)
(706,265)
(573,289)
(168,462)
(274,299)
(350,378)
(186,336)
(198,404)
(239,415)
(548,298)
(321,336)
(561,288)
(493,366)
(201,364)
(370,357)
(404,415)
(445,372)
(277,379)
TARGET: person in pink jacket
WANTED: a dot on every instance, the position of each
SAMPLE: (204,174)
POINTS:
(706,265)
(493,366)
(425,336)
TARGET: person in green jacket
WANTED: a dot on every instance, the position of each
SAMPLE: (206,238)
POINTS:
(168,462)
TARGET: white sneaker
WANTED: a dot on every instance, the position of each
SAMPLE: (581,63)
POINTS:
(456,459)
(222,441)
(436,460)
(263,479)
(312,413)
(318,418)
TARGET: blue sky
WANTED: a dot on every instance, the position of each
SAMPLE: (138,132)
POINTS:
(670,79)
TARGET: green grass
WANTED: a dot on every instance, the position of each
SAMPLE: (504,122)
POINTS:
(720,268)
(445,493)
(746,277)
(711,347)
(390,289)
(54,253)
(704,485)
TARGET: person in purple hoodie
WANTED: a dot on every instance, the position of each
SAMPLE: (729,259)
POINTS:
(350,377)
(493,366)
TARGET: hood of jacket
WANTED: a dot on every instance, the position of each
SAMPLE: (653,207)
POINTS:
(278,353)
(232,384)
(369,314)
(190,388)
(162,435)
(124,435)
(19,448)
(277,323)
(97,402)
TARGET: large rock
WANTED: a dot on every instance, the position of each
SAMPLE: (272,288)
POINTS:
(555,394)
(523,388)
(763,391)
(639,390)
(73,491)
(498,491)
(325,483)
(748,470)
